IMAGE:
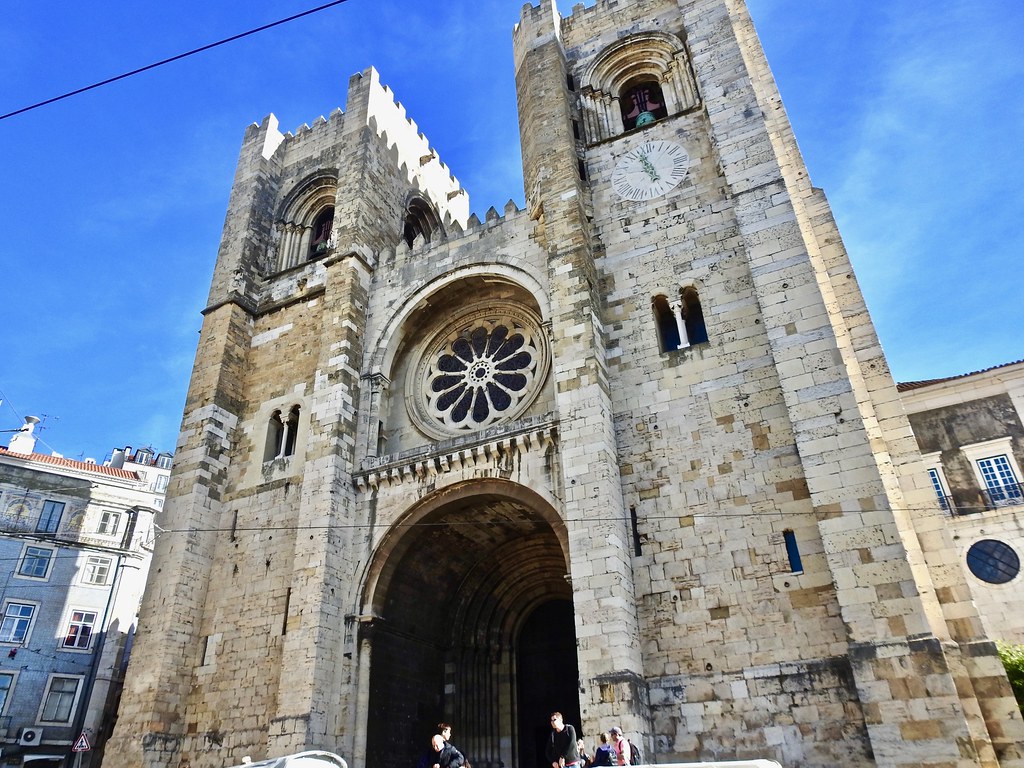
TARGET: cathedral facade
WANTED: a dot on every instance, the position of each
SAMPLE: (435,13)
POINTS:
(632,453)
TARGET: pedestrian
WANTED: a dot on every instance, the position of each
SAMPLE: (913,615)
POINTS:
(585,760)
(445,755)
(621,746)
(445,729)
(603,755)
(561,750)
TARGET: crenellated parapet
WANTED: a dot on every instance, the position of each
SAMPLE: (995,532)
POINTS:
(459,233)
(374,105)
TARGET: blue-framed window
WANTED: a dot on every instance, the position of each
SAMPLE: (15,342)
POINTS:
(49,519)
(1000,482)
(16,622)
(35,563)
(940,491)
(993,561)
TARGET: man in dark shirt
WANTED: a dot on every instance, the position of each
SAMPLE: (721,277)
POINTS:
(445,755)
(561,750)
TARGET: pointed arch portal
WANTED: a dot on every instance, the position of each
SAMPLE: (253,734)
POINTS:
(473,625)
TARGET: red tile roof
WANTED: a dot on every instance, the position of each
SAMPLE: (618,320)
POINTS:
(906,386)
(60,461)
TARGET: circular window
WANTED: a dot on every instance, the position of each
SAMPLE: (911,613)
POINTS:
(483,367)
(993,561)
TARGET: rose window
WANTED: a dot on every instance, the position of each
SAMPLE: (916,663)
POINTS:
(479,370)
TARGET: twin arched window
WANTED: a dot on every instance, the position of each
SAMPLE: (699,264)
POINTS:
(282,432)
(680,322)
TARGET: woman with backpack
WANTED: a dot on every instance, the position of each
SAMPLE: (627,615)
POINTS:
(604,754)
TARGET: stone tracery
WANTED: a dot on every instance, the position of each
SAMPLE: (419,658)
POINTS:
(479,369)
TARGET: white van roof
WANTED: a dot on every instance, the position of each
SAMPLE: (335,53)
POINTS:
(313,759)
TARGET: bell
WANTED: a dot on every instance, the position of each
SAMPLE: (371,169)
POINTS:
(645,118)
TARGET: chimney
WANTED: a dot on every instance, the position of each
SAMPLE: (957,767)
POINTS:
(22,441)
(117,458)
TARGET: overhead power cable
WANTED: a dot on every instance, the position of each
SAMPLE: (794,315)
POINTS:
(148,67)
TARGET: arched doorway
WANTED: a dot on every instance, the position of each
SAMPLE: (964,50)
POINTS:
(472,612)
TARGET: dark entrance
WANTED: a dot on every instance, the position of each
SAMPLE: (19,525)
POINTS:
(548,678)
(473,626)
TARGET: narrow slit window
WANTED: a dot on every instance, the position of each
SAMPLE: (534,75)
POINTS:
(635,525)
(793,552)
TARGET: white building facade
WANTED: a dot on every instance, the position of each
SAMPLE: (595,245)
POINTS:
(970,429)
(75,546)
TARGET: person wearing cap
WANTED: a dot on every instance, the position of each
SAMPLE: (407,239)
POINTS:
(621,746)
(561,750)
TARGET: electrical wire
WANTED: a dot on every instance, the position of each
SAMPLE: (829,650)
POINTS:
(460,523)
(180,56)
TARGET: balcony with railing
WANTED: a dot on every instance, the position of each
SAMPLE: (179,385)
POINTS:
(948,505)
(1007,495)
(974,501)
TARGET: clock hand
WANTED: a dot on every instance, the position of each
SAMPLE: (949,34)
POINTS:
(649,168)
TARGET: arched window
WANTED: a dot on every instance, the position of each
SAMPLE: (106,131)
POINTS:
(291,431)
(680,323)
(275,432)
(420,219)
(323,227)
(642,104)
(305,221)
(693,317)
(668,328)
(282,434)
(635,81)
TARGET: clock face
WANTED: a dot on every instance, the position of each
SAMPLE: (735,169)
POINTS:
(650,170)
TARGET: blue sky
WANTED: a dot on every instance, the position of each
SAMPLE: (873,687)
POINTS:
(910,116)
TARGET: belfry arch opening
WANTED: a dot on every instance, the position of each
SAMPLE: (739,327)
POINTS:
(472,624)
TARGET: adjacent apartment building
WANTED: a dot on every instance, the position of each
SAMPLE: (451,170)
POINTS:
(970,429)
(75,544)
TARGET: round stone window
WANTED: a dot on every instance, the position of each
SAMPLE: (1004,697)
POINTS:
(484,367)
(993,561)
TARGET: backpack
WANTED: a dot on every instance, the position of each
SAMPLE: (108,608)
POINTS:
(636,755)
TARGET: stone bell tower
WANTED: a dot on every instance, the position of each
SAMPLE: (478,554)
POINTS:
(782,540)
(632,453)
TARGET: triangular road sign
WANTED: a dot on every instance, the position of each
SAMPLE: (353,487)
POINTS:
(82,745)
